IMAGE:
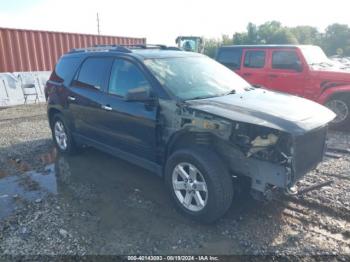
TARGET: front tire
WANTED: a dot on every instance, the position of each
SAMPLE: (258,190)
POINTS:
(199,184)
(62,136)
(341,107)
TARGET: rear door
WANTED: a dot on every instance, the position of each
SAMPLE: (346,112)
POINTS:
(85,97)
(129,125)
(285,72)
(254,66)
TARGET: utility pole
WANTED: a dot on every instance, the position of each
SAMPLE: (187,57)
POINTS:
(98,24)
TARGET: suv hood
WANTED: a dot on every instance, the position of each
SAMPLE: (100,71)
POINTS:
(332,73)
(276,110)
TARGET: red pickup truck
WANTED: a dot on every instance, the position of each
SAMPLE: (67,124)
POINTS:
(302,70)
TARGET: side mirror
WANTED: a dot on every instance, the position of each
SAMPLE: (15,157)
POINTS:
(140,94)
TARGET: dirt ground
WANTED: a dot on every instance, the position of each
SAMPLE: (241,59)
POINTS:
(93,203)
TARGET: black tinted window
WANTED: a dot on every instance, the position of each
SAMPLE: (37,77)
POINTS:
(124,76)
(230,57)
(65,69)
(254,59)
(95,72)
(284,59)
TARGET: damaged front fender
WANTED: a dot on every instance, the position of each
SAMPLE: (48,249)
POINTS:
(268,156)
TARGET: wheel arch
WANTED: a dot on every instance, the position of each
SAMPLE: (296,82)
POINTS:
(186,138)
(51,113)
(181,138)
(331,93)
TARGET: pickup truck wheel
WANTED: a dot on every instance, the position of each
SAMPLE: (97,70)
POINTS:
(341,107)
(199,183)
(62,136)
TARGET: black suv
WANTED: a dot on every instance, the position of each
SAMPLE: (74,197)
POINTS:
(187,118)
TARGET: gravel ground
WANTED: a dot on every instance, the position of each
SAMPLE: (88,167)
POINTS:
(93,203)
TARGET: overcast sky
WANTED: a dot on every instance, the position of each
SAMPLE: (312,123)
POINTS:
(160,21)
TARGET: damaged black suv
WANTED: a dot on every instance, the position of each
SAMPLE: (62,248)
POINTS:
(187,118)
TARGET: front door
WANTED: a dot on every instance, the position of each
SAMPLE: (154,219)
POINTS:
(253,68)
(129,126)
(285,73)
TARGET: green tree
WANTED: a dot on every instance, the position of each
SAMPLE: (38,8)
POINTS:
(210,46)
(335,40)
(226,40)
(306,35)
(337,36)
(240,39)
(252,36)
(266,32)
(282,36)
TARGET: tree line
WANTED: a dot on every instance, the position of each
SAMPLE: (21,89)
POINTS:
(334,41)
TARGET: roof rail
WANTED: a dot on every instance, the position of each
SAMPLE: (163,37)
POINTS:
(120,48)
(101,48)
(146,46)
(152,46)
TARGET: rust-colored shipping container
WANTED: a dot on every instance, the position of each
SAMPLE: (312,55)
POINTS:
(32,50)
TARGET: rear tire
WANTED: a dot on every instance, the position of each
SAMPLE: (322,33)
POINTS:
(62,136)
(341,107)
(207,194)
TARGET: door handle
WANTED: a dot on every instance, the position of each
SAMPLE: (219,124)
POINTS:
(71,98)
(247,74)
(107,108)
(273,76)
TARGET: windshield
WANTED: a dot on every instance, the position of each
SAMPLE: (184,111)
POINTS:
(195,77)
(315,55)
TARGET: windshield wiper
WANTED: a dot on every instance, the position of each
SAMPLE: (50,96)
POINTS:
(233,91)
(200,97)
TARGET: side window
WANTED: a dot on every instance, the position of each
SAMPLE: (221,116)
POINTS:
(95,72)
(285,60)
(124,76)
(65,69)
(230,57)
(254,59)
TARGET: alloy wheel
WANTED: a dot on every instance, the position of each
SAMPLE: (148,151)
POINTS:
(340,108)
(190,186)
(60,135)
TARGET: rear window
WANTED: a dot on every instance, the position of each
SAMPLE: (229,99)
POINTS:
(284,59)
(65,69)
(254,59)
(230,57)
